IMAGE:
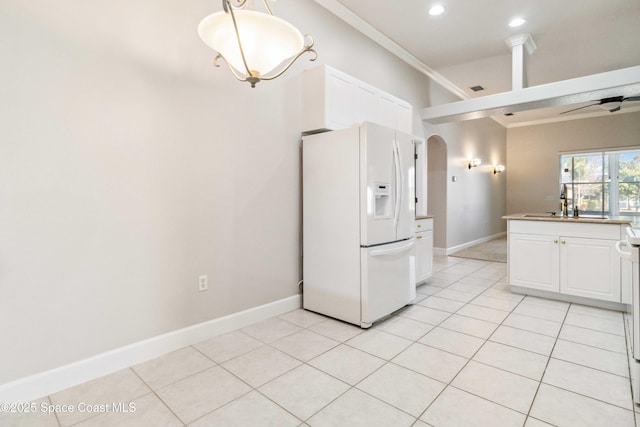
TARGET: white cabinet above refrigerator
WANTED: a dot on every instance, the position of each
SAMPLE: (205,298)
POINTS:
(334,100)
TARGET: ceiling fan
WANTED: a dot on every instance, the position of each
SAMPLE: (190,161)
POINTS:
(611,104)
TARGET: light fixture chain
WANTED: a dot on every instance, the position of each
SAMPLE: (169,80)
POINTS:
(266,6)
(240,3)
(243,4)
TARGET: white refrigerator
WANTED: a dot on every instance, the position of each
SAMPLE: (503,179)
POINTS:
(358,223)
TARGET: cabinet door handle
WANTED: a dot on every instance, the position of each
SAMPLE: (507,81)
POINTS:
(418,237)
(555,240)
(563,242)
(419,226)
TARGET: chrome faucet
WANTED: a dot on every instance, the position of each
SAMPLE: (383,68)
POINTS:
(563,200)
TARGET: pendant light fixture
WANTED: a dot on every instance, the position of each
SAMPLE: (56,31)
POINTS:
(255,45)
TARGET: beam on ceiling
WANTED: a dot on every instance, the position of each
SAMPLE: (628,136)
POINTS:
(623,82)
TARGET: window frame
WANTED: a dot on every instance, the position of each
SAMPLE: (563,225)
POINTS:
(609,180)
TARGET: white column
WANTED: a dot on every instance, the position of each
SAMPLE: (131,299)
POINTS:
(522,45)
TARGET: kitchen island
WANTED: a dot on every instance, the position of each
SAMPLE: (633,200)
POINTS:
(569,259)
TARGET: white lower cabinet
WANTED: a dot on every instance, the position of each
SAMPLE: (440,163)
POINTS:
(590,268)
(424,249)
(570,259)
(534,261)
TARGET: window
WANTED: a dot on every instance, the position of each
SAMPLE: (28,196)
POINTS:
(603,183)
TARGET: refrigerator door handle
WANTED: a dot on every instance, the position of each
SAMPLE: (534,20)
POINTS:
(403,248)
(401,176)
(398,165)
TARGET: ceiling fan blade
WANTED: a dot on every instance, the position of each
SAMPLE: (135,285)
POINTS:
(580,108)
(632,98)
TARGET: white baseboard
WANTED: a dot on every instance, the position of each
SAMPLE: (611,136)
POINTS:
(474,242)
(48,382)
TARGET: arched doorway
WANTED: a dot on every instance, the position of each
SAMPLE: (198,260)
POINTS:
(437,189)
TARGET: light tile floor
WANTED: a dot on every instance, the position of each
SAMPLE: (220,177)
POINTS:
(468,353)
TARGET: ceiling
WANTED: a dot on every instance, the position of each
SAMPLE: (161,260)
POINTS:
(466,44)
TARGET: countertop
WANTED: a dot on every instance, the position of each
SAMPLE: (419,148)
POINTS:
(584,219)
(425,216)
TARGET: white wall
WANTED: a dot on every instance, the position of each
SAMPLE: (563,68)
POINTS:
(437,188)
(129,166)
(533,162)
(476,201)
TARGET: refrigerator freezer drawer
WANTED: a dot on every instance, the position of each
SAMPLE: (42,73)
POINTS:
(387,279)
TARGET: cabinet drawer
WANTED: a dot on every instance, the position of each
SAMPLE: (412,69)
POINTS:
(424,224)
(557,228)
(426,234)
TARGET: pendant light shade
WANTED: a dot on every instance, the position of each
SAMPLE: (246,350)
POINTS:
(252,43)
(266,40)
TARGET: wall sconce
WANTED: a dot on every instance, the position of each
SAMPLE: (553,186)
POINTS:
(253,44)
(474,163)
(498,169)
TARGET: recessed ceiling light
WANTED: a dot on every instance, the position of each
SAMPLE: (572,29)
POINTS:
(516,22)
(436,10)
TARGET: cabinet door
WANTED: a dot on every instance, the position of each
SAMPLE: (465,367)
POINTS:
(339,101)
(590,268)
(388,113)
(424,255)
(405,117)
(365,103)
(534,261)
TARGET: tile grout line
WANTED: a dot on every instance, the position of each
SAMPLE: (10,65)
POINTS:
(589,367)
(391,361)
(350,386)
(555,342)
(252,388)
(449,384)
(535,395)
(628,347)
(160,398)
(55,413)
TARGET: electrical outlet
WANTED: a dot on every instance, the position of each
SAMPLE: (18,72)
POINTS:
(203,283)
